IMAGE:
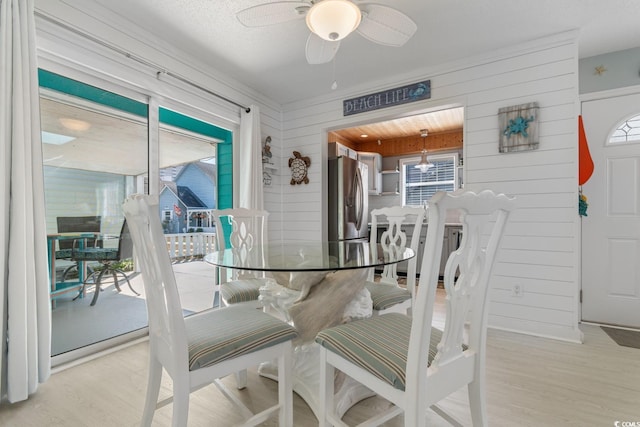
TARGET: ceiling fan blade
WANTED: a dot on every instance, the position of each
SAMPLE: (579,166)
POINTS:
(385,25)
(320,51)
(272,13)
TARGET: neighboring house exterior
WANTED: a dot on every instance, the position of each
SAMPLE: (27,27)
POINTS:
(186,203)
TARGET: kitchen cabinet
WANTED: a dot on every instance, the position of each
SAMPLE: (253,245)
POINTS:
(390,182)
(374,164)
(450,242)
(336,149)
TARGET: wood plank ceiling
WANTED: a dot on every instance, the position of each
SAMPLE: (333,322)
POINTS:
(443,126)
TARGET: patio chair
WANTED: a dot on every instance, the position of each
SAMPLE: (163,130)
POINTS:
(108,259)
(76,224)
(386,295)
(241,229)
(403,358)
(204,347)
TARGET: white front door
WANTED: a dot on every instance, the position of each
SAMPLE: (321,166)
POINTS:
(611,229)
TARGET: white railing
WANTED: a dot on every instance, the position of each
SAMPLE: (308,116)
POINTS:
(188,245)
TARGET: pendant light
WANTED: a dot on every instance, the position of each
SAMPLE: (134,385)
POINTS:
(333,20)
(424,164)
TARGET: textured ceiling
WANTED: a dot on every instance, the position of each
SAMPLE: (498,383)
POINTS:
(272,61)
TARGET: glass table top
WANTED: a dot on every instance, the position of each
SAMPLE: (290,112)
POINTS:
(309,256)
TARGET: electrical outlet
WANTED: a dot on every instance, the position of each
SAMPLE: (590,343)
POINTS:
(517,291)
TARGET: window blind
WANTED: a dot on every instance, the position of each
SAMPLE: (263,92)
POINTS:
(421,186)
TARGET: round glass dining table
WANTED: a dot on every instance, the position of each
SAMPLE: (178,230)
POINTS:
(299,256)
(320,284)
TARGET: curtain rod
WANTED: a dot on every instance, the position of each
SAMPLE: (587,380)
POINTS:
(138,59)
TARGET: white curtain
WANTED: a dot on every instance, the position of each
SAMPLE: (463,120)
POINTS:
(25,311)
(250,160)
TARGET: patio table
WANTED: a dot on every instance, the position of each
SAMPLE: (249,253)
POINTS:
(57,288)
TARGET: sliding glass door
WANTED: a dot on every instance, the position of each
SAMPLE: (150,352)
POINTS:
(193,161)
(96,152)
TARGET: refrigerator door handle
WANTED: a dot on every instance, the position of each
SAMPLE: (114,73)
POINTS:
(359,198)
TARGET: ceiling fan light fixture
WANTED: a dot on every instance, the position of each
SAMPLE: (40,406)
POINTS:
(333,20)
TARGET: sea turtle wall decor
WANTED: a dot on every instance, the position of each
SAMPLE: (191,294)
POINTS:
(299,165)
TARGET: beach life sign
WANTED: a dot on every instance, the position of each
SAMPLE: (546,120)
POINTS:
(387,98)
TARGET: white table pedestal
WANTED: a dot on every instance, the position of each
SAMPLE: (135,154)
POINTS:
(306,357)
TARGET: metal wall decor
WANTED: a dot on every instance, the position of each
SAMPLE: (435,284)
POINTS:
(299,165)
(267,164)
(518,127)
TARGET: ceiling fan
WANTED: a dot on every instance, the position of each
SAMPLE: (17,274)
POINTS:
(332,20)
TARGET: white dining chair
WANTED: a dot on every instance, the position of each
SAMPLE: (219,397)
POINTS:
(387,230)
(242,229)
(204,347)
(403,358)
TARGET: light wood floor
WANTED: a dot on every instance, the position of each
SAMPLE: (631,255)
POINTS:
(531,381)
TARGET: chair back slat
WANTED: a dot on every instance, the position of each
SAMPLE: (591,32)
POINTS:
(391,219)
(466,279)
(242,229)
(166,324)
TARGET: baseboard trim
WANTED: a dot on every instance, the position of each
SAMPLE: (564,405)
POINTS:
(609,325)
(85,354)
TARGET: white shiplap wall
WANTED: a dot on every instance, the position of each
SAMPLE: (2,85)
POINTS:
(540,250)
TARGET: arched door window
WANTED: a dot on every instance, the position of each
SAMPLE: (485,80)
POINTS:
(627,131)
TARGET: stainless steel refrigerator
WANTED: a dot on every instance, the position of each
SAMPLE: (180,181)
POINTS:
(348,199)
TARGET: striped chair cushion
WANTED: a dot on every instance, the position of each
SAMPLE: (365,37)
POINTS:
(385,296)
(378,344)
(221,334)
(241,290)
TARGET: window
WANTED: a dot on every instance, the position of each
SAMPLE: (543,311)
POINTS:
(627,131)
(418,187)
